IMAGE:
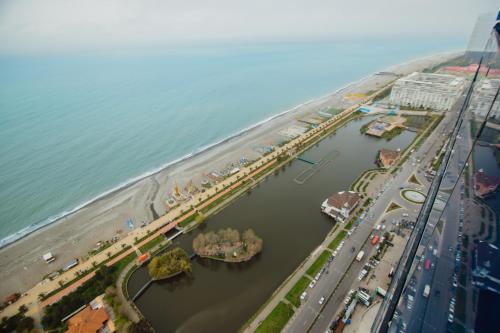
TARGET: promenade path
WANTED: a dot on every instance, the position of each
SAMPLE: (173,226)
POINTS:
(30,299)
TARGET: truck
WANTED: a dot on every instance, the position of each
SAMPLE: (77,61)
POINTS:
(427,290)
(360,255)
(48,257)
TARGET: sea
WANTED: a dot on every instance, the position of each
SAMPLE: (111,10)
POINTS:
(74,127)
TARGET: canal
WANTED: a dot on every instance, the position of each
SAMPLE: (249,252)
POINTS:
(221,297)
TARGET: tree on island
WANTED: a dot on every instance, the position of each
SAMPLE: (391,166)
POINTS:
(169,264)
(228,245)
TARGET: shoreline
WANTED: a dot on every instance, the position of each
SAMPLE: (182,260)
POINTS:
(34,227)
(37,226)
(135,197)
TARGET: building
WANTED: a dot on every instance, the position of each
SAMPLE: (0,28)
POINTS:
(385,125)
(484,185)
(94,318)
(387,157)
(429,91)
(341,205)
(471,70)
(486,267)
(482,98)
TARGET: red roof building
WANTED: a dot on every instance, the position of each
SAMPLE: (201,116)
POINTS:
(484,185)
(92,319)
(471,69)
(387,157)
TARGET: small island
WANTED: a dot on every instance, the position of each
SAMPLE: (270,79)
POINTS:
(169,264)
(227,245)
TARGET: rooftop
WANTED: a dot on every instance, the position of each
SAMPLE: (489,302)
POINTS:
(87,321)
(344,199)
(432,79)
(387,157)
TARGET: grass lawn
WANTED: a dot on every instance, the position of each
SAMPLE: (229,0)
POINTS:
(318,264)
(148,246)
(414,180)
(392,134)
(392,206)
(348,226)
(276,320)
(188,220)
(437,163)
(294,294)
(333,245)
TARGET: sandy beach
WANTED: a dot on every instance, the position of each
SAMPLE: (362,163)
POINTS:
(21,263)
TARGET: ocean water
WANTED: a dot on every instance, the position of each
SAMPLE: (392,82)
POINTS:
(73,127)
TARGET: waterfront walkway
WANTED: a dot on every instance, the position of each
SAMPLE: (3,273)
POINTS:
(166,222)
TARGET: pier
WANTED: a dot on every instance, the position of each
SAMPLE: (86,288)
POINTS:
(316,166)
(300,158)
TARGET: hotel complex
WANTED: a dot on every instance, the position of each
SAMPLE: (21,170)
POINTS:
(483,96)
(429,91)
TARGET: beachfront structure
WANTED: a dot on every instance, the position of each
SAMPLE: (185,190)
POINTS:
(93,318)
(426,90)
(341,205)
(385,124)
(387,157)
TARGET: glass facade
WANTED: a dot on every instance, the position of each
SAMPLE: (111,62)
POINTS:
(448,278)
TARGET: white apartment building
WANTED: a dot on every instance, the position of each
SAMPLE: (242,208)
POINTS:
(425,90)
(484,93)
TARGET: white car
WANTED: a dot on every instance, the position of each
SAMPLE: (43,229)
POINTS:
(312,284)
(303,296)
(321,300)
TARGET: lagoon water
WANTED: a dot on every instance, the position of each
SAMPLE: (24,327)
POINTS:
(221,297)
(73,127)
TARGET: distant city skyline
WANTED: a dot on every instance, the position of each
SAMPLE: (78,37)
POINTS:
(29,26)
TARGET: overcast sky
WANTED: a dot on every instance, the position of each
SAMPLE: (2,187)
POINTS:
(63,25)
